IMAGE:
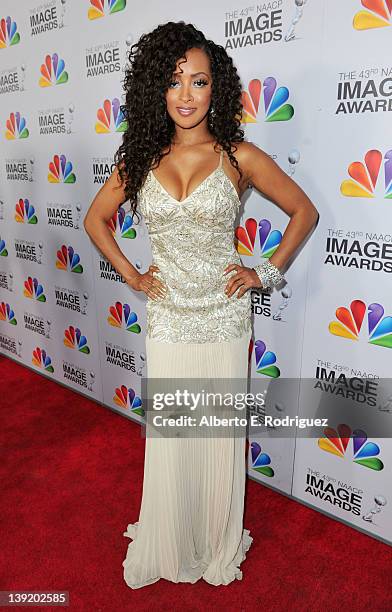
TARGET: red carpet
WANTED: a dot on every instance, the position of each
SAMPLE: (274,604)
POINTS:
(72,475)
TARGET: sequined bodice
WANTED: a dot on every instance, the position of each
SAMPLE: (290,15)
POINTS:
(192,242)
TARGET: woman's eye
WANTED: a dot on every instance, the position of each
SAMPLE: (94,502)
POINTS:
(200,81)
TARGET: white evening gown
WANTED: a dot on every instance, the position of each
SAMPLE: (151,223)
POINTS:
(191,517)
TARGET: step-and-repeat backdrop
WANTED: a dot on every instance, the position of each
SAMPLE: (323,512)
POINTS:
(317,85)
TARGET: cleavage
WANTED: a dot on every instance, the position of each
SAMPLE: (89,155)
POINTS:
(170,191)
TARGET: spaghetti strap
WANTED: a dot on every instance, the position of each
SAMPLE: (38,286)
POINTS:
(220,159)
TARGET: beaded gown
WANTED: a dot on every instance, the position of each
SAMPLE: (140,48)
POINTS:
(191,516)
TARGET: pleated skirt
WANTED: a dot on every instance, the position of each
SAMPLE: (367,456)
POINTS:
(190,523)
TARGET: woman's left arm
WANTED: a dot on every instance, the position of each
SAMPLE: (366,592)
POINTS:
(268,178)
(262,172)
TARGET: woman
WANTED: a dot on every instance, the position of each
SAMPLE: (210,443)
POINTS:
(184,163)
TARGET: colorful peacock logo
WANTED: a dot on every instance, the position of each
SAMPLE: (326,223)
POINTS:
(60,170)
(123,222)
(377,15)
(16,127)
(275,107)
(3,248)
(121,315)
(264,359)
(364,176)
(97,8)
(261,461)
(25,212)
(53,71)
(42,360)
(350,321)
(74,339)
(8,33)
(126,398)
(104,124)
(67,259)
(34,290)
(363,452)
(7,313)
(246,237)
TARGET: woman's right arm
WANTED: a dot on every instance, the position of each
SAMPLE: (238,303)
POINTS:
(105,204)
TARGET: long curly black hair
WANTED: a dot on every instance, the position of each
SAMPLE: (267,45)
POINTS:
(150,129)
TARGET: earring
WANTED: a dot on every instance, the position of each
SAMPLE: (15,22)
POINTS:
(212,114)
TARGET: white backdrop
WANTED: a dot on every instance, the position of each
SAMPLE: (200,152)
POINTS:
(317,94)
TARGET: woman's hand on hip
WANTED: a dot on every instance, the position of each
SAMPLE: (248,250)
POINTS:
(244,279)
(152,287)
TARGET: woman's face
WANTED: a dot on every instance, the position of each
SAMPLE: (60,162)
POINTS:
(190,88)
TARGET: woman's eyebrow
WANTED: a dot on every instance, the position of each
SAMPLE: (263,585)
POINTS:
(192,75)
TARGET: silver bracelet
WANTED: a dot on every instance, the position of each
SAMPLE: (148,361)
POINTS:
(269,274)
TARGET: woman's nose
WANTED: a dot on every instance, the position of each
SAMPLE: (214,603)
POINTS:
(186,94)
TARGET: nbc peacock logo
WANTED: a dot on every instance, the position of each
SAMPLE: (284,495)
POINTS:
(68,259)
(110,118)
(74,339)
(8,33)
(265,360)
(337,442)
(53,71)
(126,398)
(274,98)
(349,323)
(122,316)
(16,127)
(98,10)
(7,314)
(261,461)
(42,360)
(60,170)
(246,237)
(3,248)
(377,14)
(34,290)
(364,176)
(123,223)
(25,212)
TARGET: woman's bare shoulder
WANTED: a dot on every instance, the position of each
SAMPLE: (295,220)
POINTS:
(244,152)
